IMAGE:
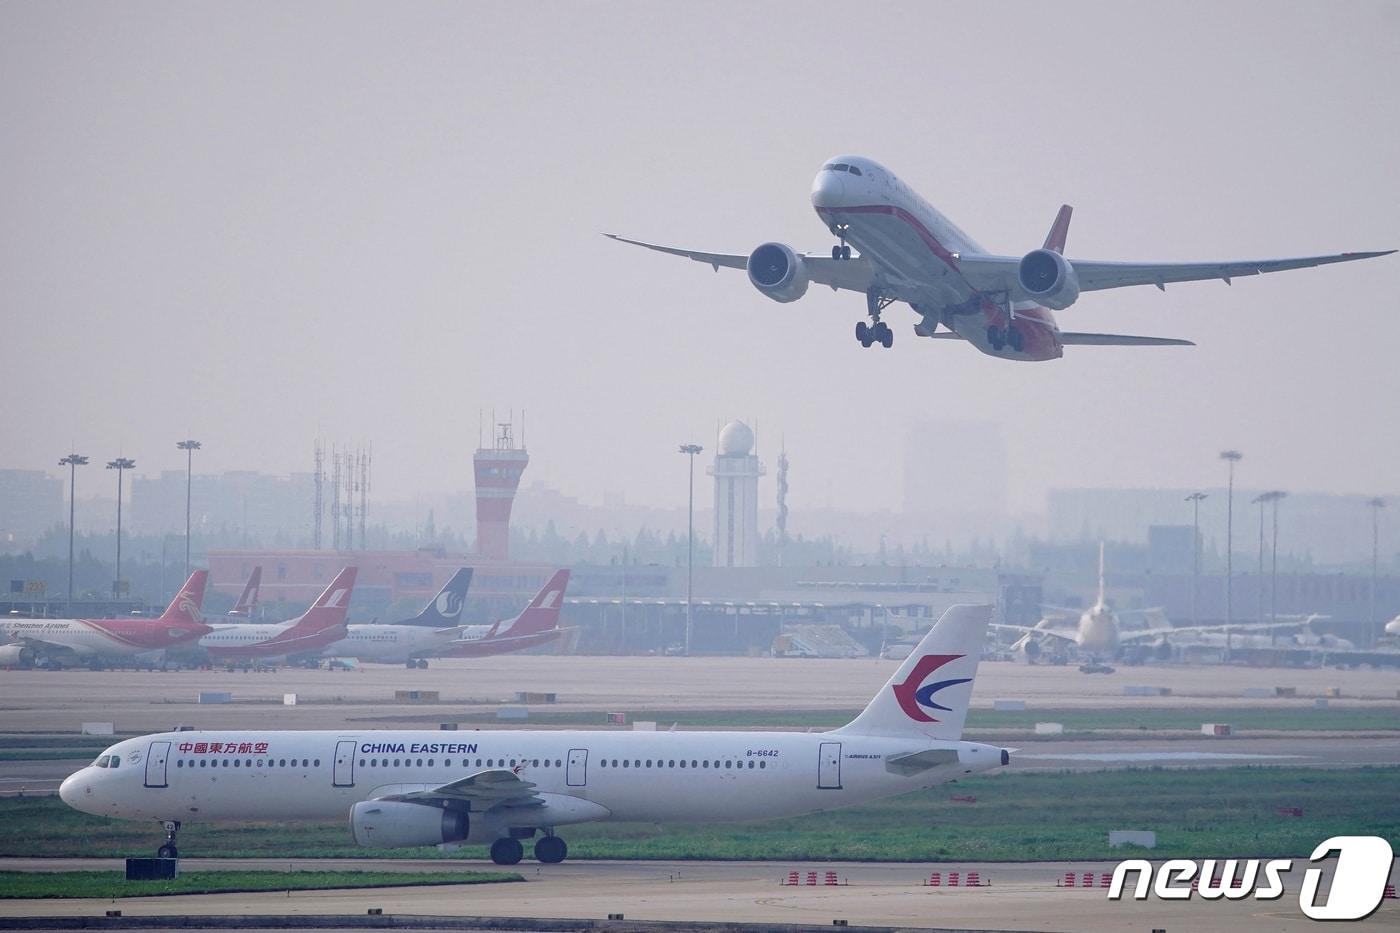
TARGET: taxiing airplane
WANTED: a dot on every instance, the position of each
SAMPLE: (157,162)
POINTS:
(909,252)
(411,641)
(537,624)
(320,625)
(248,599)
(95,641)
(417,788)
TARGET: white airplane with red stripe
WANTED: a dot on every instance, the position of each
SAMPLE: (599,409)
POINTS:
(319,626)
(406,788)
(909,252)
(93,641)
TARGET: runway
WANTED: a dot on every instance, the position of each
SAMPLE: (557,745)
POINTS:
(1020,896)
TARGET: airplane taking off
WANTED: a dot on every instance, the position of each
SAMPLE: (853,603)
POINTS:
(537,624)
(248,599)
(320,625)
(416,788)
(410,641)
(92,641)
(909,252)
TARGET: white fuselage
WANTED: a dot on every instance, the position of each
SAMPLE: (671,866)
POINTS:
(916,249)
(390,644)
(647,776)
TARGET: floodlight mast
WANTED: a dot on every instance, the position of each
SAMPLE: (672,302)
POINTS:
(690,450)
(120,464)
(72,462)
(189,447)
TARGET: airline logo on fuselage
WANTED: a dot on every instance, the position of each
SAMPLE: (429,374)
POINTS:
(915,696)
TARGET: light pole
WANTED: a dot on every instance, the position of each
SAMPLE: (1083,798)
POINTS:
(690,450)
(1195,500)
(1375,506)
(1274,497)
(189,447)
(1231,457)
(1260,500)
(72,462)
(120,464)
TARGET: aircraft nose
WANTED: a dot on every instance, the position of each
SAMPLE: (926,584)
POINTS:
(828,189)
(71,790)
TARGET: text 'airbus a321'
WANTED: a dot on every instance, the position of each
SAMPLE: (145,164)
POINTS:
(909,252)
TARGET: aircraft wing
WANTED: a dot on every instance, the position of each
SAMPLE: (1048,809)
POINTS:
(43,648)
(1029,630)
(484,790)
(855,274)
(998,273)
(1120,340)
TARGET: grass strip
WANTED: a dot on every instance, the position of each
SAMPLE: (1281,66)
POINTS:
(108,884)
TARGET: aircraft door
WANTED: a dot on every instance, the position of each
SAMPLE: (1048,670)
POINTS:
(829,766)
(343,774)
(155,764)
(577,774)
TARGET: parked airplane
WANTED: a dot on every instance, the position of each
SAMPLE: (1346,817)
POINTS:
(410,641)
(95,641)
(1002,305)
(1393,626)
(416,788)
(537,624)
(248,599)
(320,625)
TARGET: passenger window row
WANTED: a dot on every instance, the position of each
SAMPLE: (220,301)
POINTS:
(728,764)
(246,762)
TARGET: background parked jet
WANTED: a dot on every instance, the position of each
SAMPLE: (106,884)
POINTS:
(248,600)
(537,625)
(320,625)
(59,642)
(909,252)
(409,641)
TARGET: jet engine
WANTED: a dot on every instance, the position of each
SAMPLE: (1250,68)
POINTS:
(16,656)
(1047,277)
(778,272)
(398,825)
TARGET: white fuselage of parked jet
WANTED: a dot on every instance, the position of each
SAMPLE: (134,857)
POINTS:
(388,643)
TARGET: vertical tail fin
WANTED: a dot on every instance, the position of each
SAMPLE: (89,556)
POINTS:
(446,607)
(187,604)
(330,607)
(543,612)
(248,601)
(1055,239)
(927,698)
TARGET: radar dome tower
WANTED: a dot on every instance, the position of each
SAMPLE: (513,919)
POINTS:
(736,471)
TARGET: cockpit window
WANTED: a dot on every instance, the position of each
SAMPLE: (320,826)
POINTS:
(116,761)
(853,170)
(840,167)
(103,761)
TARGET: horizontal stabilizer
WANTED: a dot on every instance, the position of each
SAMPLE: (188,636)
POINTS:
(1120,340)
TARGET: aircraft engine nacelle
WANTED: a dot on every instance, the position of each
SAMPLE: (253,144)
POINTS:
(1048,277)
(16,656)
(778,272)
(397,825)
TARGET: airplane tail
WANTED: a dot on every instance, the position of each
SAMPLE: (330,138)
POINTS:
(541,615)
(928,697)
(248,601)
(1055,239)
(330,607)
(186,606)
(445,610)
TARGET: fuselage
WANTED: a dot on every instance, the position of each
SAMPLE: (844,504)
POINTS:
(389,643)
(917,249)
(646,776)
(101,638)
(247,642)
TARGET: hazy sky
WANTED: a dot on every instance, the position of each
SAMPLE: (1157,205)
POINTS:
(257,223)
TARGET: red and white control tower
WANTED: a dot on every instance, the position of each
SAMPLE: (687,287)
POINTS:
(498,470)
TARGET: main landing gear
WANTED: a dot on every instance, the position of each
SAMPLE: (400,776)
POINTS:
(878,331)
(1009,336)
(549,849)
(169,850)
(421,663)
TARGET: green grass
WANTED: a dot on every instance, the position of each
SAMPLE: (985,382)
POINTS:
(1052,816)
(108,884)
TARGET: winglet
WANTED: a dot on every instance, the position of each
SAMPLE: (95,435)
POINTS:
(1055,239)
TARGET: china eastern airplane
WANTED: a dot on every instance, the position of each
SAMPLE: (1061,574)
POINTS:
(495,788)
(94,641)
(317,627)
(412,641)
(537,624)
(909,252)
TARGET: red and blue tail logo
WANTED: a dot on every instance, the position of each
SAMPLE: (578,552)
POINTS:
(915,696)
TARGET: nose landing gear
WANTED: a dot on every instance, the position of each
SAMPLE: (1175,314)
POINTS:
(841,251)
(169,850)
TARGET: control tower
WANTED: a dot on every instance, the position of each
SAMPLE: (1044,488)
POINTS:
(498,470)
(736,471)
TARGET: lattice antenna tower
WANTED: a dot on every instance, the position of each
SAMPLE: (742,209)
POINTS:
(335,497)
(318,478)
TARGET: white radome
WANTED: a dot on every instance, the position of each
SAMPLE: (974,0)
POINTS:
(736,439)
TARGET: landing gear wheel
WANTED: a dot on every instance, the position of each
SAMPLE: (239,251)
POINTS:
(845,252)
(167,852)
(994,337)
(865,334)
(836,252)
(885,335)
(551,850)
(507,851)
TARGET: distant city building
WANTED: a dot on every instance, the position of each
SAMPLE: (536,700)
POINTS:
(31,502)
(498,469)
(736,471)
(257,505)
(1170,548)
